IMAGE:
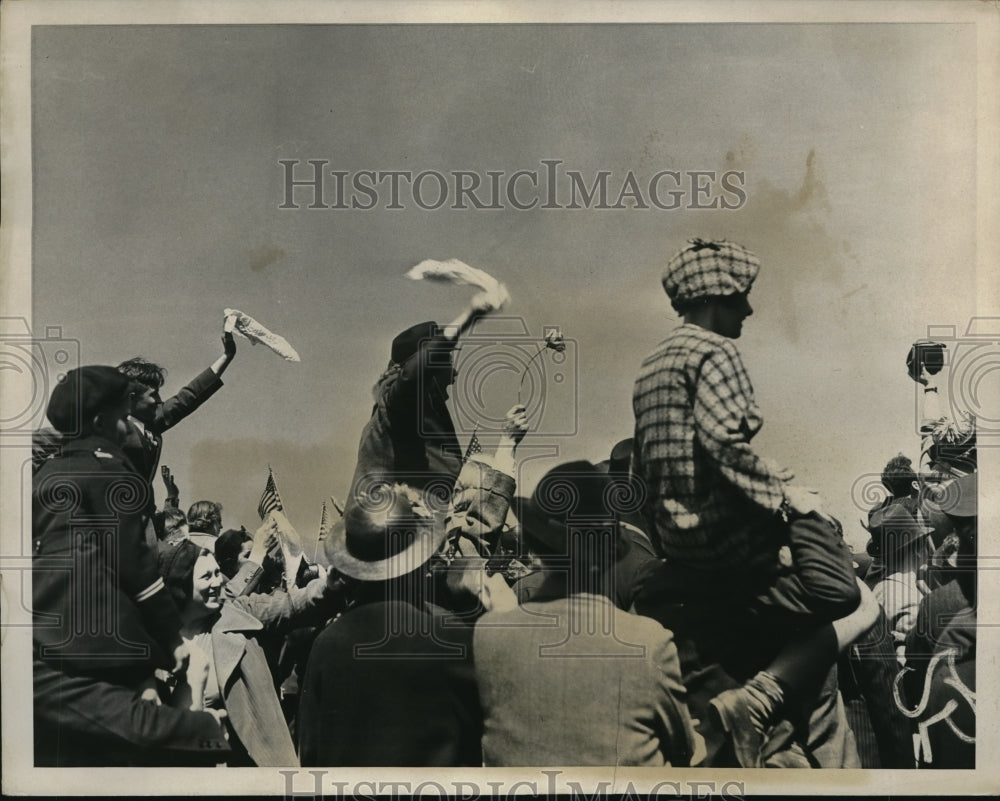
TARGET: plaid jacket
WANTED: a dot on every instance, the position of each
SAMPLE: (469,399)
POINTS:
(710,498)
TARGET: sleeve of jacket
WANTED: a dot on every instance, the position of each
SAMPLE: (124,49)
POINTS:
(415,371)
(281,611)
(85,707)
(677,735)
(726,419)
(176,408)
(245,581)
(141,580)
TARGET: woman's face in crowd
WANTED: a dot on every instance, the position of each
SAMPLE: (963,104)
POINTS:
(207,589)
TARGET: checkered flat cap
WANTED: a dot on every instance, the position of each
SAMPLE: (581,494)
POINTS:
(710,267)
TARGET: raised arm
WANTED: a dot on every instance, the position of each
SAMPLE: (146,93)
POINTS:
(228,354)
(480,306)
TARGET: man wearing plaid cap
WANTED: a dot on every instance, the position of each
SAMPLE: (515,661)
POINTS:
(696,414)
(737,538)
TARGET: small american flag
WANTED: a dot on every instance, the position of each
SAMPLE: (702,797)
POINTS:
(474,446)
(324,523)
(269,500)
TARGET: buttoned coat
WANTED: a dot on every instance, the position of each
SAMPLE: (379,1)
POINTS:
(100,606)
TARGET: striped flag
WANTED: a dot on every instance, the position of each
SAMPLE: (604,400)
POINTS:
(474,446)
(269,500)
(324,523)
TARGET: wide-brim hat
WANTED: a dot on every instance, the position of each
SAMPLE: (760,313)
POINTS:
(571,494)
(364,546)
(956,498)
(895,527)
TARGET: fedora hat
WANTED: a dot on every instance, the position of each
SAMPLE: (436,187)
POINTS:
(896,527)
(956,498)
(380,542)
(572,493)
(406,343)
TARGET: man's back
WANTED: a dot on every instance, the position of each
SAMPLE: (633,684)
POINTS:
(389,685)
(606,693)
(695,415)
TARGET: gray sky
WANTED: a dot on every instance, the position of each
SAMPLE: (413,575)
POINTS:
(157,183)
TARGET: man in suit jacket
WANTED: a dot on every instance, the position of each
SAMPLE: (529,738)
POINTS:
(151,416)
(567,678)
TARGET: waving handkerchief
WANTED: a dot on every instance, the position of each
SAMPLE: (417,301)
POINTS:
(454,271)
(256,332)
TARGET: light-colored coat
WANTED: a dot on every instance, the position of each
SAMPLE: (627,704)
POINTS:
(576,681)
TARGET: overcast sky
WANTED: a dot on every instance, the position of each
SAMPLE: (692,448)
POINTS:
(157,187)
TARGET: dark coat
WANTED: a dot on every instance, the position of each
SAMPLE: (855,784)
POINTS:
(100,606)
(143,448)
(85,722)
(390,681)
(410,435)
(388,684)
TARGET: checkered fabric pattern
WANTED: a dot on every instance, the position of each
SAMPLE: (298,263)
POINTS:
(708,268)
(695,415)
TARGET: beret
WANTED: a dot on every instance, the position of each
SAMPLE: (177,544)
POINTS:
(710,268)
(83,393)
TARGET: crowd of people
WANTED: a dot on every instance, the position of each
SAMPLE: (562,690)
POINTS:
(681,602)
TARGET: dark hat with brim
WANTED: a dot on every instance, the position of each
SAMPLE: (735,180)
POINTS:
(575,493)
(621,457)
(407,342)
(895,528)
(956,498)
(382,544)
(84,393)
(925,353)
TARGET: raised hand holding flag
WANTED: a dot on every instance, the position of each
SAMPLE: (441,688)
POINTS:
(269,499)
